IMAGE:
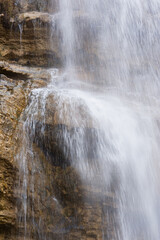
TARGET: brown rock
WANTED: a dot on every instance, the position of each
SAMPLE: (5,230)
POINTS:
(13,100)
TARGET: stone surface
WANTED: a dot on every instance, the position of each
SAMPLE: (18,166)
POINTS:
(13,99)
(30,35)
(65,206)
(17,72)
(25,36)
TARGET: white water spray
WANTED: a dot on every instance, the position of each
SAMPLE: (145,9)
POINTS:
(116,43)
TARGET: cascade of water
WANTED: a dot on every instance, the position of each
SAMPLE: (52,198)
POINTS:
(108,98)
(117,44)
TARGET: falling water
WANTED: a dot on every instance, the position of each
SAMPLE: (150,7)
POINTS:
(108,94)
(115,46)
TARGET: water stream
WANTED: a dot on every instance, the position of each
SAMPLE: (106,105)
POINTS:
(108,97)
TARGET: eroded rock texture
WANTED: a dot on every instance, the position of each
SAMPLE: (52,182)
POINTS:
(25,34)
(13,99)
(24,40)
(12,102)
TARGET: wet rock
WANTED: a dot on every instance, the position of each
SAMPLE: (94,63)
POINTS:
(31,35)
(18,72)
(12,102)
(56,193)
(30,16)
(13,99)
(58,200)
(29,45)
(26,36)
(50,138)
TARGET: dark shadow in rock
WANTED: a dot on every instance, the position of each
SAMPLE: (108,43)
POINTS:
(13,75)
(61,143)
(50,140)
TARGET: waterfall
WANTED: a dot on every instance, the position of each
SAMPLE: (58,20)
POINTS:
(104,104)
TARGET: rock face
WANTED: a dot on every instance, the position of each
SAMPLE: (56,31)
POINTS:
(12,102)
(56,206)
(25,36)
(16,82)
(25,39)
